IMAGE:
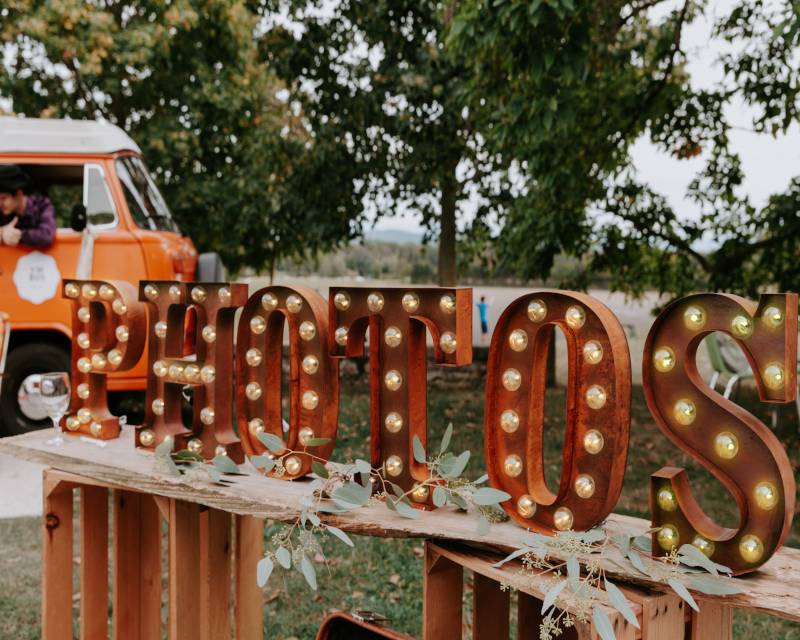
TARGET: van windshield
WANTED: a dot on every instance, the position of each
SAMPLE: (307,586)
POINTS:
(146,203)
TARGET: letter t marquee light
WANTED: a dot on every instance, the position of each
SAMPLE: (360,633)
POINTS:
(397,320)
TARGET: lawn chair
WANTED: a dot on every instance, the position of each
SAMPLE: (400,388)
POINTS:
(731,366)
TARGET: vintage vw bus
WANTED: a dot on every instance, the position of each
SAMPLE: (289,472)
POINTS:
(113,225)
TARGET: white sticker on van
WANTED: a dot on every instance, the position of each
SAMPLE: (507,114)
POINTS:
(37,277)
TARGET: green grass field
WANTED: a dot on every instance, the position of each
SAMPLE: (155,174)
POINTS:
(384,575)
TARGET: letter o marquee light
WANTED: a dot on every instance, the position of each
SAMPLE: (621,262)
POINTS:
(313,375)
(598,410)
(727,440)
(108,329)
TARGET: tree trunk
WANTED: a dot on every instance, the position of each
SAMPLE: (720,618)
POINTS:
(447,233)
(273,258)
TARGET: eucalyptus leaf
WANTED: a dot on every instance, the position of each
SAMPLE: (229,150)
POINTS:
(439,496)
(482,479)
(271,442)
(683,592)
(165,448)
(456,465)
(263,462)
(714,587)
(593,535)
(363,466)
(419,450)
(692,556)
(341,535)
(624,544)
(284,557)
(551,595)
(636,561)
(487,495)
(314,519)
(573,568)
(309,573)
(457,500)
(351,495)
(602,624)
(643,542)
(448,434)
(620,603)
(225,465)
(316,442)
(318,468)
(264,571)
(332,507)
(484,526)
(397,490)
(512,556)
(406,510)
(185,454)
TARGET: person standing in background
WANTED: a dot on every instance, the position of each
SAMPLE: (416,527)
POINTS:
(483,312)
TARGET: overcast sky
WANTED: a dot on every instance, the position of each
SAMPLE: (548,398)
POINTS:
(768,163)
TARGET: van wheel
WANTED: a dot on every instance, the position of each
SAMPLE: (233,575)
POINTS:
(17,416)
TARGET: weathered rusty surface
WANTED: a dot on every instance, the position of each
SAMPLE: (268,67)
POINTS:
(270,306)
(760,457)
(100,328)
(440,311)
(213,305)
(611,372)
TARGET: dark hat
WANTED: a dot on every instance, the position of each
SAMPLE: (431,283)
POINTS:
(12,178)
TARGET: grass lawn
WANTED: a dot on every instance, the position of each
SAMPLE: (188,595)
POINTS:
(384,575)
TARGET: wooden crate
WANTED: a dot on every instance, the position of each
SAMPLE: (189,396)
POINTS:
(661,616)
(211,564)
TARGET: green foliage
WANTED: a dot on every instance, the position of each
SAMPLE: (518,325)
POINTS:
(187,81)
(562,88)
(375,86)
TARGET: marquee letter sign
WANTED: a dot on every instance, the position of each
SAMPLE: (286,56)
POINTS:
(313,375)
(397,320)
(727,440)
(598,410)
(108,328)
(209,372)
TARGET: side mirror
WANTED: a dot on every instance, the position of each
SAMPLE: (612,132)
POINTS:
(77,217)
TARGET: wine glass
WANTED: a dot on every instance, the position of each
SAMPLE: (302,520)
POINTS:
(54,395)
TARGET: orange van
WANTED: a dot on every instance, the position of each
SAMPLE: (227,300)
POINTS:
(113,224)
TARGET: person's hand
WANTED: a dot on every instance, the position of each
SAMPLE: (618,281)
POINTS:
(11,234)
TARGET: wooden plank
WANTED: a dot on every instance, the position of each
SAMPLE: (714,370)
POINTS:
(215,572)
(713,622)
(663,615)
(56,560)
(490,609)
(529,616)
(248,601)
(120,464)
(94,562)
(442,588)
(136,608)
(184,571)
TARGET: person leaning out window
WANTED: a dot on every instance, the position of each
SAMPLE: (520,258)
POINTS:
(24,219)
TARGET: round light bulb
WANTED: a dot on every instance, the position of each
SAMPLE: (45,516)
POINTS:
(341,301)
(107,292)
(209,333)
(310,364)
(593,441)
(257,325)
(526,506)
(512,465)
(705,545)
(253,357)
(509,421)
(161,329)
(207,415)
(668,537)
(119,307)
(199,294)
(447,303)
(294,303)
(592,352)
(255,426)
(563,519)
(84,315)
(575,317)
(666,499)
(742,327)
(306,433)
(537,310)
(208,373)
(518,340)
(195,445)
(84,415)
(410,302)
(751,548)
(83,340)
(99,361)
(772,317)
(685,412)
(596,396)
(89,291)
(394,465)
(83,391)
(310,400)
(224,295)
(447,342)
(664,359)
(150,292)
(393,422)
(340,335)
(115,357)
(122,332)
(269,302)
(774,375)
(72,290)
(512,379)
(694,318)
(726,444)
(766,495)
(393,336)
(375,302)
(146,438)
(584,485)
(292,465)
(253,391)
(84,365)
(158,407)
(420,493)
(160,368)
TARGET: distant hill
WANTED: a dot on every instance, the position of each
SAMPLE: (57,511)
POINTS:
(397,236)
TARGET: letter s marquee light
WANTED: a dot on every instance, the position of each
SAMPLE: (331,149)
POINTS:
(727,440)
(397,319)
(598,410)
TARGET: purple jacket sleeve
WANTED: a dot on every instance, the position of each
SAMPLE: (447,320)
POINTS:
(43,233)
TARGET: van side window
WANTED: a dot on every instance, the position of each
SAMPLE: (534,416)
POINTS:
(147,205)
(100,211)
